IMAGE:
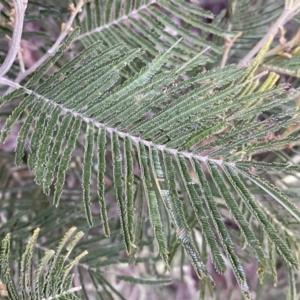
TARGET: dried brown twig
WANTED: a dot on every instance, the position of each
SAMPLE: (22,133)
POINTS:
(66,30)
(17,20)
(292,7)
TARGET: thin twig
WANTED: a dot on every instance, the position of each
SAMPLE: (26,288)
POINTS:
(228,44)
(294,41)
(17,21)
(54,48)
(9,83)
(21,60)
(286,15)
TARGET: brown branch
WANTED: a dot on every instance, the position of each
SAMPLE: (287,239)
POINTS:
(53,49)
(287,14)
(17,20)
(228,44)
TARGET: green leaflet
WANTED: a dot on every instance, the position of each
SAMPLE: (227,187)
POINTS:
(73,87)
(292,292)
(48,287)
(24,131)
(236,213)
(71,75)
(101,86)
(53,156)
(176,211)
(185,106)
(139,79)
(86,174)
(275,194)
(44,145)
(64,160)
(182,31)
(152,204)
(252,25)
(139,203)
(39,271)
(170,118)
(157,281)
(100,182)
(5,268)
(69,67)
(280,167)
(105,102)
(192,8)
(108,11)
(234,138)
(117,169)
(8,97)
(26,261)
(281,246)
(51,61)
(247,113)
(37,135)
(273,262)
(156,166)
(139,105)
(222,231)
(247,133)
(202,135)
(220,78)
(15,114)
(272,145)
(159,179)
(89,16)
(191,19)
(70,246)
(66,278)
(129,200)
(202,218)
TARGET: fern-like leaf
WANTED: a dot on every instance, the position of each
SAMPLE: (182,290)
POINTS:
(144,23)
(169,120)
(49,280)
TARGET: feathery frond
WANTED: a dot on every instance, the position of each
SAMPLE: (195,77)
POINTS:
(150,25)
(51,278)
(195,126)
